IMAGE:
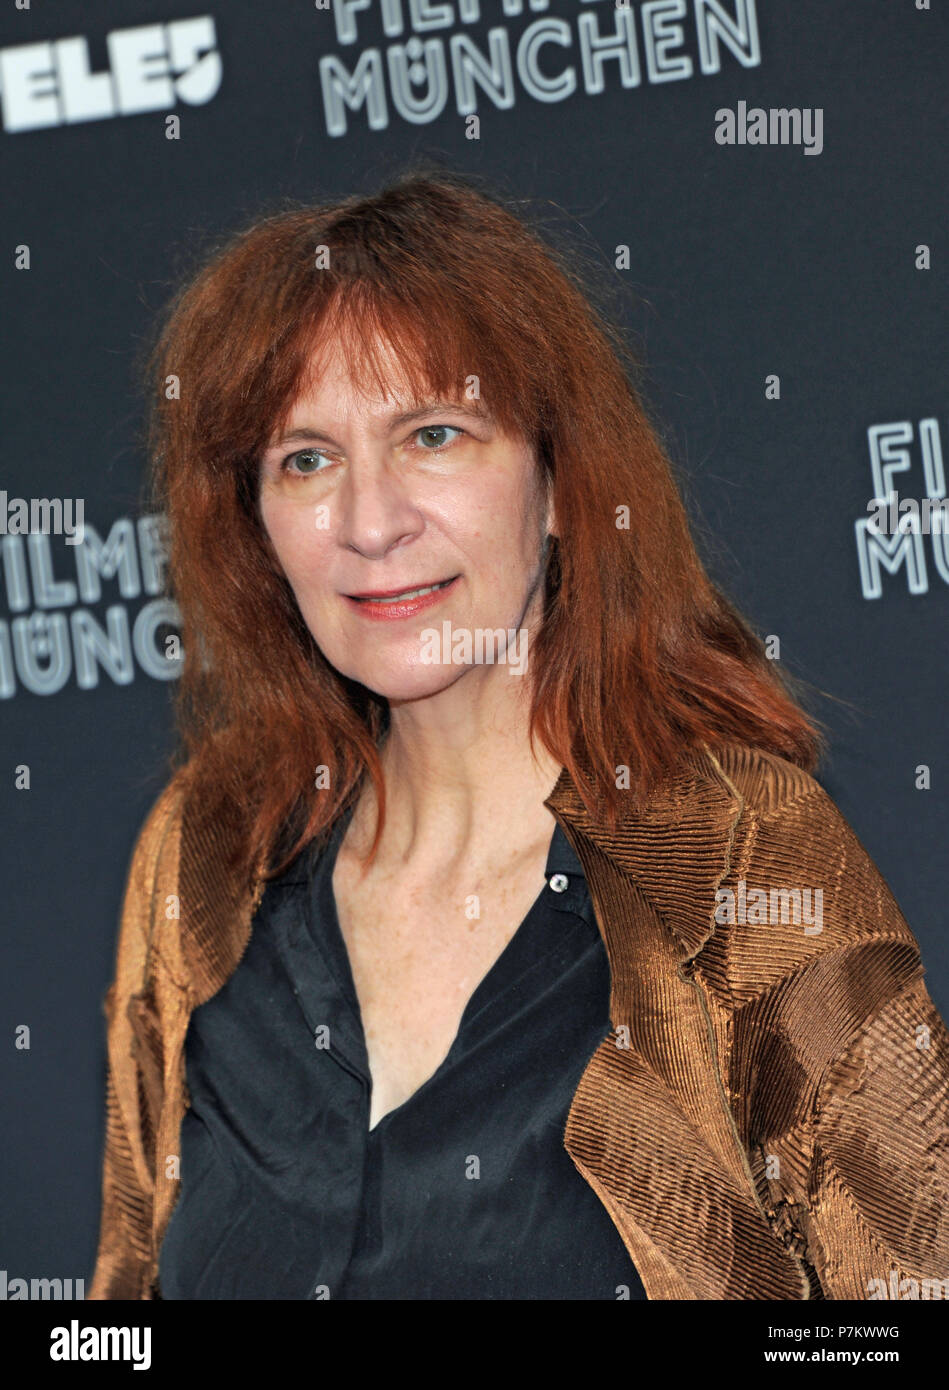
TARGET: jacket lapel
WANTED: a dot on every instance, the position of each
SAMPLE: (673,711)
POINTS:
(650,1126)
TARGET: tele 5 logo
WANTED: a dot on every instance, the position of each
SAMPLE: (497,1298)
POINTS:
(151,68)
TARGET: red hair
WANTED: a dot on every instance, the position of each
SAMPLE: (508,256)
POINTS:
(640,656)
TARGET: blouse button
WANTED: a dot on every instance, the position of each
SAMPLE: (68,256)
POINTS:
(559,883)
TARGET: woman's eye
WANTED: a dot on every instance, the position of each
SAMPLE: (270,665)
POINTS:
(431,436)
(306,462)
(301,461)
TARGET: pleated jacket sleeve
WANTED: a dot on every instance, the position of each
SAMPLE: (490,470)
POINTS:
(124,1254)
(880,1181)
(838,1059)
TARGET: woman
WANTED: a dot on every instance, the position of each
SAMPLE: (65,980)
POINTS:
(492,939)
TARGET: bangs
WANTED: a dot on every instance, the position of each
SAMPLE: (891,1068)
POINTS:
(420,350)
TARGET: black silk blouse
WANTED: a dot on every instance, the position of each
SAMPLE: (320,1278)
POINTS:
(464,1191)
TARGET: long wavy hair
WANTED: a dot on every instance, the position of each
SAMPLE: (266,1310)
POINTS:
(640,656)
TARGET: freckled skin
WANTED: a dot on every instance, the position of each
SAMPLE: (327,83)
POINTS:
(398,514)
(417,959)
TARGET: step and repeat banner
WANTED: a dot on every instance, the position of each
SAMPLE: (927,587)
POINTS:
(763,182)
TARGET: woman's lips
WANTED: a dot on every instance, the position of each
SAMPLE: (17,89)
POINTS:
(392,609)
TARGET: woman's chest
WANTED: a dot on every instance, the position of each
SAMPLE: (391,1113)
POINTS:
(417,954)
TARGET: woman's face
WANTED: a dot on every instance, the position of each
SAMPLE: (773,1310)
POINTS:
(362,495)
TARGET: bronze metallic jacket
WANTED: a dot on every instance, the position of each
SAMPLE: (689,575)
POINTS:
(768,1118)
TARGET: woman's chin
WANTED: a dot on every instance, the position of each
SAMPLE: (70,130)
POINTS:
(409,683)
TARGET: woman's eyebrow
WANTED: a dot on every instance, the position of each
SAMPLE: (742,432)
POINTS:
(474,409)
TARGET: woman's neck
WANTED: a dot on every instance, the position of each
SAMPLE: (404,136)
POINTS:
(458,790)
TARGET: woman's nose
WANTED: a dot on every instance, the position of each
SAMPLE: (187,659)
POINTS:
(375,508)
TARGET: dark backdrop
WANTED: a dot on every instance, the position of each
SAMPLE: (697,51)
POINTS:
(747,261)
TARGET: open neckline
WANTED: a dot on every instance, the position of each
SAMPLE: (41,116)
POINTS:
(321,907)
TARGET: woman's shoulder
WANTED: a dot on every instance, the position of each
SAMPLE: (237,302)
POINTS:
(764,780)
(776,793)
(153,865)
(162,818)
(792,843)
